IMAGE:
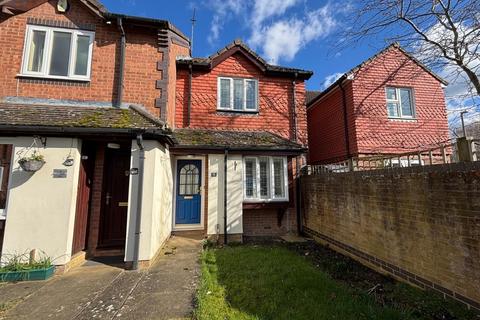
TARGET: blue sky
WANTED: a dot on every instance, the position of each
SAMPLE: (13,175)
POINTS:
(294,33)
(311,24)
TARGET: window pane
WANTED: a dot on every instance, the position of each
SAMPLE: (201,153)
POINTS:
(392,109)
(278,178)
(37,47)
(251,94)
(225,93)
(406,101)
(391,94)
(250,178)
(60,54)
(83,50)
(264,173)
(238,94)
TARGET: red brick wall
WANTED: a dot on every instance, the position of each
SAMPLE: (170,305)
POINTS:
(175,51)
(275,101)
(264,223)
(140,74)
(378,134)
(370,130)
(326,127)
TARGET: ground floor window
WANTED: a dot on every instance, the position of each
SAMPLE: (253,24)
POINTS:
(265,178)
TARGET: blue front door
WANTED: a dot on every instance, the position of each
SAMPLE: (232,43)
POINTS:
(189,199)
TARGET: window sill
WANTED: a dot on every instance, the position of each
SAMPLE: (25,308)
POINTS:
(53,78)
(236,112)
(402,119)
(271,204)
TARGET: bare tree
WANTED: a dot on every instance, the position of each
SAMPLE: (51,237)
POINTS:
(441,33)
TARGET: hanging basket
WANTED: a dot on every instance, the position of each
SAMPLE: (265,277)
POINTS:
(31,165)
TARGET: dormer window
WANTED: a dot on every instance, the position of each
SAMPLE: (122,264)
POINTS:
(57,53)
(237,94)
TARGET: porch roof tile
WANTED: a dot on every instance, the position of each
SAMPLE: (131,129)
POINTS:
(233,139)
(76,117)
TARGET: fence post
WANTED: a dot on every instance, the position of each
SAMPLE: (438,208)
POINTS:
(464,148)
(430,156)
(408,160)
(444,154)
(350,165)
(420,159)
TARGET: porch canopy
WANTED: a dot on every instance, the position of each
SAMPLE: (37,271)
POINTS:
(80,121)
(216,141)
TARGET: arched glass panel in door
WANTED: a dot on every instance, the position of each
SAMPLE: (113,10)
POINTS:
(189,180)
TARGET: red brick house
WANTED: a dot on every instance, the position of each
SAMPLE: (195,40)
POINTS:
(389,104)
(235,107)
(133,140)
(74,90)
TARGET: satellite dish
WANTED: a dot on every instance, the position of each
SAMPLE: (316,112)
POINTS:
(62,5)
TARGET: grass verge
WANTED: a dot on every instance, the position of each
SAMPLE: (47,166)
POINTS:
(263,282)
(272,282)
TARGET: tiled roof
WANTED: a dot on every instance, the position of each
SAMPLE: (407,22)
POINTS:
(76,117)
(238,44)
(362,64)
(310,95)
(216,139)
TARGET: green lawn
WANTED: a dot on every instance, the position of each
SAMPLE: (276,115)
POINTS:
(263,282)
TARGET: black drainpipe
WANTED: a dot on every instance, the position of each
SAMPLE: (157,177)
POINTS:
(121,68)
(225,167)
(345,119)
(189,107)
(294,107)
(138,216)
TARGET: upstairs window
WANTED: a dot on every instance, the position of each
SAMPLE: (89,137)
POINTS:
(235,94)
(57,53)
(265,179)
(400,103)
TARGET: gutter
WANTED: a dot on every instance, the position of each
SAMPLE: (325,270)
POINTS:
(138,215)
(345,118)
(121,69)
(225,167)
(81,131)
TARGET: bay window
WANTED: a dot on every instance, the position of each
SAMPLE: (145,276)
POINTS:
(57,53)
(237,94)
(265,179)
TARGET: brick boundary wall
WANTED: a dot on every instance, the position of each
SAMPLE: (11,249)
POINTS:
(426,232)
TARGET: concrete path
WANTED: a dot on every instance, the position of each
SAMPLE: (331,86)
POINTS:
(96,291)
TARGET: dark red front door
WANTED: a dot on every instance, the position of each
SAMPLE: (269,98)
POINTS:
(113,223)
(85,180)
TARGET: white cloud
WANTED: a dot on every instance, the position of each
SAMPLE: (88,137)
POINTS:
(223,10)
(331,79)
(264,9)
(282,39)
(276,30)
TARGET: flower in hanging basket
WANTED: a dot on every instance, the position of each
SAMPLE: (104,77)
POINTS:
(32,163)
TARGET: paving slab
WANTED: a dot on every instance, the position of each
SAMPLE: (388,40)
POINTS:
(96,291)
(167,291)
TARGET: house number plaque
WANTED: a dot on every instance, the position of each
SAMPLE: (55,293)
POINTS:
(59,173)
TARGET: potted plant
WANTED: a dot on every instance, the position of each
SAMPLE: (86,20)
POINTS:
(20,268)
(32,163)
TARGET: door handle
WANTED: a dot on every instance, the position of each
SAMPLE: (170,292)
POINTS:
(107,198)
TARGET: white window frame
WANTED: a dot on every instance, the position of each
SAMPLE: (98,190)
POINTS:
(48,53)
(231,108)
(271,180)
(398,101)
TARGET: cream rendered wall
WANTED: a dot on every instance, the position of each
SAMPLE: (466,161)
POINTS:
(216,194)
(156,224)
(40,211)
